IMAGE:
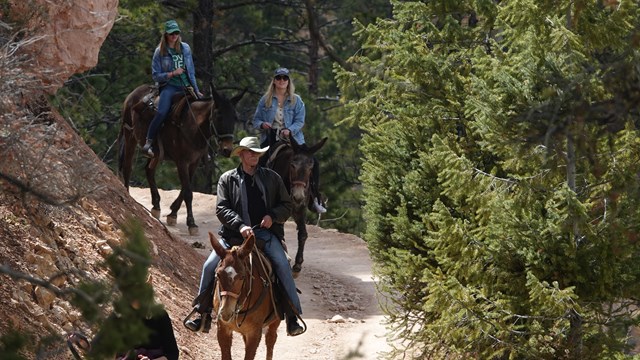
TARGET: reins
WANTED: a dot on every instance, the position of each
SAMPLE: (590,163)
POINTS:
(212,118)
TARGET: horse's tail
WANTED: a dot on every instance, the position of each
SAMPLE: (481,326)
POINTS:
(121,140)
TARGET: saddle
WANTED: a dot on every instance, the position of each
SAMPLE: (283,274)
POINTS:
(151,99)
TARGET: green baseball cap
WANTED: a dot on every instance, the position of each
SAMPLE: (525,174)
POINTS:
(171,26)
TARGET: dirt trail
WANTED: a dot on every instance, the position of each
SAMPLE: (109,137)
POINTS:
(336,280)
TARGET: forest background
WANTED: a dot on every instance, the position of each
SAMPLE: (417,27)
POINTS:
(237,45)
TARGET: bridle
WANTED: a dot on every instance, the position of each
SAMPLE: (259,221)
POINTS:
(248,272)
(216,116)
(297,183)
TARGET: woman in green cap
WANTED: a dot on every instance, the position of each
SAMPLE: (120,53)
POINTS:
(173,70)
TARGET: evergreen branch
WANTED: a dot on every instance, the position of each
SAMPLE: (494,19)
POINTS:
(508,181)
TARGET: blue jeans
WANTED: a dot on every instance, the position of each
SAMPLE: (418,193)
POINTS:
(209,268)
(164,105)
(274,251)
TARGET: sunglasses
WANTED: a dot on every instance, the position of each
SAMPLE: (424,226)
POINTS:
(281,77)
(174,33)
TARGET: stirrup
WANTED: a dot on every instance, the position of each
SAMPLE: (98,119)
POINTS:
(205,321)
(188,318)
(301,328)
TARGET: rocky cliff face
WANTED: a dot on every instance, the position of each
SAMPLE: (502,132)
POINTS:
(61,208)
(64,36)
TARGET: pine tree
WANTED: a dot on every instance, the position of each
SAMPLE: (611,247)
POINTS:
(501,175)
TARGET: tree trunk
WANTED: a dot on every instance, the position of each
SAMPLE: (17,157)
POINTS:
(314,46)
(203,59)
(203,43)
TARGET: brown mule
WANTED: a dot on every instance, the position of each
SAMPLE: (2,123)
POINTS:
(185,139)
(294,164)
(244,300)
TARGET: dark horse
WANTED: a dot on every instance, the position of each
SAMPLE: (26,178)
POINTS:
(184,139)
(294,163)
(243,299)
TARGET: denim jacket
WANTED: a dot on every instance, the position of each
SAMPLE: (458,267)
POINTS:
(161,66)
(293,117)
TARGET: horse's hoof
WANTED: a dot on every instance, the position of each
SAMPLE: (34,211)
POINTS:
(296,270)
(172,220)
(193,231)
(155,213)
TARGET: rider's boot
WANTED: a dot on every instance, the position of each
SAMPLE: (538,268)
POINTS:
(293,327)
(202,323)
(147,149)
(317,206)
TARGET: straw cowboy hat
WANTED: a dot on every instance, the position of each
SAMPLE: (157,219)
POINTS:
(249,143)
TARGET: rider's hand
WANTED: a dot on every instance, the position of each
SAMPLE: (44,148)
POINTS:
(266,222)
(178,71)
(285,133)
(246,231)
(266,125)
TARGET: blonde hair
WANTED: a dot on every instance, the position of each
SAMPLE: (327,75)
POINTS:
(291,91)
(164,45)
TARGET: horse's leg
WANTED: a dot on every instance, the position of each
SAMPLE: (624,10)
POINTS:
(225,339)
(150,170)
(251,341)
(172,218)
(270,338)
(185,172)
(299,218)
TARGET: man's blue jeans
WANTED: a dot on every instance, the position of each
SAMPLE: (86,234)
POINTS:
(274,251)
(209,268)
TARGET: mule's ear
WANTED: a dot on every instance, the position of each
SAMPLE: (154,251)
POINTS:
(247,247)
(219,249)
(214,93)
(295,146)
(318,146)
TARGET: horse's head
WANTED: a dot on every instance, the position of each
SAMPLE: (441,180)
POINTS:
(231,275)
(224,119)
(300,169)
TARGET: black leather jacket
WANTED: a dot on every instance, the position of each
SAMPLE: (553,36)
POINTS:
(232,202)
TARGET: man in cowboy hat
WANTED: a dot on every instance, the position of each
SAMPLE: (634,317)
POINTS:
(251,196)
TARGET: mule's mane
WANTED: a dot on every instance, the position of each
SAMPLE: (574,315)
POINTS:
(184,107)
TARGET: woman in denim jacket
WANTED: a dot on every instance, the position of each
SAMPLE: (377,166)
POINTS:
(173,70)
(280,115)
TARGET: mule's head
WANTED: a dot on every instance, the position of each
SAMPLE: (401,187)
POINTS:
(299,176)
(224,121)
(231,274)
(300,170)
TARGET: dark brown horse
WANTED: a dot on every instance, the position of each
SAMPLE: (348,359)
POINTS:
(243,300)
(294,163)
(188,132)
